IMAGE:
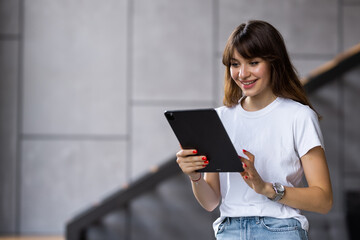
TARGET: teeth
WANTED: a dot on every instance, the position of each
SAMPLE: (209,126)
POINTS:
(248,83)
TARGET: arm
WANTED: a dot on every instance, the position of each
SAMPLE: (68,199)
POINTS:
(207,189)
(317,197)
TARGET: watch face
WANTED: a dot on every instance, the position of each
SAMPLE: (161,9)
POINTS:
(279,187)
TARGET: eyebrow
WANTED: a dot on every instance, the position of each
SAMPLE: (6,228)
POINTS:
(248,59)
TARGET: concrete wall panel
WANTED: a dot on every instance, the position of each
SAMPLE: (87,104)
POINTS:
(61,178)
(8,134)
(352,134)
(75,67)
(351,2)
(296,20)
(9,16)
(220,83)
(172,50)
(351,26)
(306,66)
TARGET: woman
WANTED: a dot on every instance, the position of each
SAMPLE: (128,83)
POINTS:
(276,132)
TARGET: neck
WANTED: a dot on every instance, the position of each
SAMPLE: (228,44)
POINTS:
(256,103)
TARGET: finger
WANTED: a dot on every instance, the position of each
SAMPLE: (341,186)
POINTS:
(186,152)
(192,167)
(248,168)
(245,162)
(245,175)
(249,155)
(192,161)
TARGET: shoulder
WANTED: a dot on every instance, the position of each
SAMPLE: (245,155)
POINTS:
(297,110)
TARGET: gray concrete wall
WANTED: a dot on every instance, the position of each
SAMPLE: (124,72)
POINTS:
(9,126)
(84,85)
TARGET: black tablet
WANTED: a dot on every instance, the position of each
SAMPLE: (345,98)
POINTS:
(202,129)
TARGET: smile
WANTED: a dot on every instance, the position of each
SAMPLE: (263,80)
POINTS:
(248,83)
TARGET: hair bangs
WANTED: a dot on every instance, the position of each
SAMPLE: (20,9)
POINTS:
(248,46)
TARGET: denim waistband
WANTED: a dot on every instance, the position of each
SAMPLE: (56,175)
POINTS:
(260,228)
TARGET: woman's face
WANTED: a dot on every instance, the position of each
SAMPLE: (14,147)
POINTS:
(251,75)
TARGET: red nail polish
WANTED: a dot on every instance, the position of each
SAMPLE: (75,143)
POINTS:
(195,151)
(206,162)
(244,151)
(245,165)
(204,165)
(246,177)
(203,158)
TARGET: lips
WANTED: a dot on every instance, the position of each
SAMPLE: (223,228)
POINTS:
(248,84)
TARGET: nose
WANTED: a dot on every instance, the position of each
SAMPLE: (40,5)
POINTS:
(243,73)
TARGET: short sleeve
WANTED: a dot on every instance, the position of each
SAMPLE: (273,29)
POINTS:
(307,132)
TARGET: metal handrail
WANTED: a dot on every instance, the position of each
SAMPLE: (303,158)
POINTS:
(333,69)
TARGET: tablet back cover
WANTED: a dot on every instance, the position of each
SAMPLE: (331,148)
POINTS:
(202,129)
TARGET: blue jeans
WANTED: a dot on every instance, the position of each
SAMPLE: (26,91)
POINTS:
(263,228)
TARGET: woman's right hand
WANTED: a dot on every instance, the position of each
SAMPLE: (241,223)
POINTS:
(189,162)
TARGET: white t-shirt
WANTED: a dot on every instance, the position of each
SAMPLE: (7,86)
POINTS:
(278,136)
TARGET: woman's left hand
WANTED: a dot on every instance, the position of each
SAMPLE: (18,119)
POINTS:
(250,174)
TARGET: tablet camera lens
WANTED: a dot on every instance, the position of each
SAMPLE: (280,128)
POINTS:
(170,116)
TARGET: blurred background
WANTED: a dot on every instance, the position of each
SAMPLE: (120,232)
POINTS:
(83,88)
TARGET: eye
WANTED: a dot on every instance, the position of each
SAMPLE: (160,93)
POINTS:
(254,63)
(234,64)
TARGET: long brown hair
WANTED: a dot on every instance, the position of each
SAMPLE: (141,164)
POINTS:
(260,39)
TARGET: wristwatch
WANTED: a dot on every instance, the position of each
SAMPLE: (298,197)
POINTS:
(279,192)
